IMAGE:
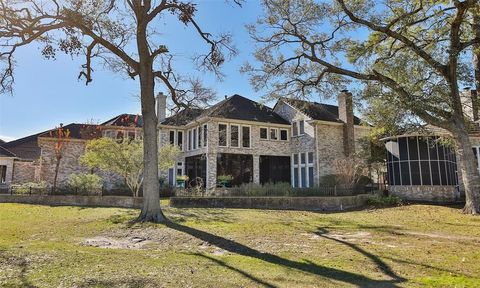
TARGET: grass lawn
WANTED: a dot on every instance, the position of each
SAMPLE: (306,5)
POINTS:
(417,245)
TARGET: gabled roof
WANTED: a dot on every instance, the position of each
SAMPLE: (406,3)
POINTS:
(234,107)
(318,111)
(5,153)
(125,120)
(77,131)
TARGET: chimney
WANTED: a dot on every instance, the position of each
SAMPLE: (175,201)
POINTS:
(161,100)
(345,114)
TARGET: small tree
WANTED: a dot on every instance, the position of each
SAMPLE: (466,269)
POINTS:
(124,158)
(61,136)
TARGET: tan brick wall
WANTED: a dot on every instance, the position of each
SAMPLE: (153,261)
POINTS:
(24,171)
(439,194)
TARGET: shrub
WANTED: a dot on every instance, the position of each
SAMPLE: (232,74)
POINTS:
(33,187)
(85,182)
(384,201)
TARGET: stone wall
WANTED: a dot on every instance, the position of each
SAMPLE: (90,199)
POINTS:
(436,194)
(69,164)
(276,203)
(85,201)
(25,171)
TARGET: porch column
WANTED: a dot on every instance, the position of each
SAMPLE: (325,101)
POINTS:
(256,169)
(211,171)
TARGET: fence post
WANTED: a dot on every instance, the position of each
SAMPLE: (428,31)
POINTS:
(335,190)
(101,192)
(30,190)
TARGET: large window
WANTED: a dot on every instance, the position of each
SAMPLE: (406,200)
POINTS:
(239,166)
(420,161)
(303,174)
(3,174)
(275,169)
(234,135)
(246,136)
(222,134)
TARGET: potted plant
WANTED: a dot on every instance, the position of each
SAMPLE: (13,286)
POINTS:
(181,180)
(224,180)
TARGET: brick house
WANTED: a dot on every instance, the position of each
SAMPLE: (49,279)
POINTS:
(32,158)
(295,141)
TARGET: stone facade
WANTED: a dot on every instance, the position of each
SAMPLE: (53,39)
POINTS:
(437,194)
(324,139)
(25,171)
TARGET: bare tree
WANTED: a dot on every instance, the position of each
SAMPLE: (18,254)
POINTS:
(412,49)
(121,35)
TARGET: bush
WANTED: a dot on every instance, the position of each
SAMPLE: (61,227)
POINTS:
(85,182)
(33,187)
(384,201)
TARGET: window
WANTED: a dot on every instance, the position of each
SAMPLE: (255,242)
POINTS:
(234,130)
(294,129)
(303,173)
(301,125)
(120,135)
(172,137)
(245,136)
(283,134)
(109,134)
(205,135)
(200,137)
(3,174)
(180,140)
(273,134)
(222,134)
(263,133)
(195,138)
(189,140)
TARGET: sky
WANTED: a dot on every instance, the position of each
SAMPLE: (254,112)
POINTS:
(47,92)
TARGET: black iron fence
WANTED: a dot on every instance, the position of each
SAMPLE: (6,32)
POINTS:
(63,191)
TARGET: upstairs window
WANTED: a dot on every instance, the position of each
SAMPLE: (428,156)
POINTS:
(245,136)
(234,131)
(263,133)
(294,129)
(205,135)
(283,134)
(195,138)
(222,135)
(200,137)
(301,125)
(189,140)
(273,134)
(180,140)
(172,137)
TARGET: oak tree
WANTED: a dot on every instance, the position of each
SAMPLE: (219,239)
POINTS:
(126,36)
(415,50)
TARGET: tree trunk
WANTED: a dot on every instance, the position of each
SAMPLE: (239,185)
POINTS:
(151,210)
(476,54)
(468,168)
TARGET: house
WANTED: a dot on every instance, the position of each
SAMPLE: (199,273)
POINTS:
(32,158)
(422,167)
(295,141)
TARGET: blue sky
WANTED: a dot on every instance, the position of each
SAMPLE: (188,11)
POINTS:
(47,92)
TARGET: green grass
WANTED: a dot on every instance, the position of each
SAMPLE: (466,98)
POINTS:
(417,245)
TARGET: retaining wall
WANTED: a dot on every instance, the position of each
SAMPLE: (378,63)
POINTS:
(87,201)
(275,203)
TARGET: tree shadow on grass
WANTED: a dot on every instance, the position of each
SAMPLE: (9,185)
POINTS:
(241,272)
(306,267)
(387,270)
(16,263)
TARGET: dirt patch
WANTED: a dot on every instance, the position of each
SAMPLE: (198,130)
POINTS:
(116,243)
(439,236)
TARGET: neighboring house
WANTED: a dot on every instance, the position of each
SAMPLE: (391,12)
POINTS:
(32,158)
(423,168)
(294,142)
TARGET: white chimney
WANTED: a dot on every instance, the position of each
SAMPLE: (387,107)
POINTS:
(345,114)
(161,100)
